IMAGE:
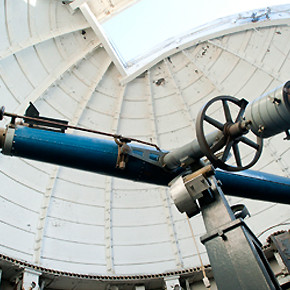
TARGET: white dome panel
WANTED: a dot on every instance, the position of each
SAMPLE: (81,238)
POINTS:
(20,247)
(72,255)
(12,74)
(19,193)
(83,233)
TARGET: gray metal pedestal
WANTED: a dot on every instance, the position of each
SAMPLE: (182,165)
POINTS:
(235,253)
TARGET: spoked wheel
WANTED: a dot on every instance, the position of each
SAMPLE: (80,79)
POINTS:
(233,134)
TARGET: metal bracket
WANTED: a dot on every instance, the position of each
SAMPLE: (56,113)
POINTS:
(123,150)
(240,211)
(8,143)
(287,135)
(221,232)
(281,243)
(185,191)
(182,198)
(196,186)
(149,156)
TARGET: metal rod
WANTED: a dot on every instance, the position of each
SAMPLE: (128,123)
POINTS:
(13,116)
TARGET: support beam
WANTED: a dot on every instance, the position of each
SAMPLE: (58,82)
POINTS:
(108,226)
(165,194)
(55,172)
(15,48)
(88,96)
(250,62)
(172,228)
(56,74)
(205,74)
(109,192)
(77,3)
(151,109)
(43,215)
(97,27)
(184,105)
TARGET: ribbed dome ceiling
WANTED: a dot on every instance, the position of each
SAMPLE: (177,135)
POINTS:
(81,222)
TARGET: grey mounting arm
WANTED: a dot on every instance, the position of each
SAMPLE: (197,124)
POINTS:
(190,153)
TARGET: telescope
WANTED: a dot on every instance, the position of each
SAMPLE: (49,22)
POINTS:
(44,139)
(229,141)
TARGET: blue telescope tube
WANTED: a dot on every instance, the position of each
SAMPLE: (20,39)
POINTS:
(86,153)
(100,156)
(255,185)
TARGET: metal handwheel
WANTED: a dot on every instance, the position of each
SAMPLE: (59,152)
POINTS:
(233,133)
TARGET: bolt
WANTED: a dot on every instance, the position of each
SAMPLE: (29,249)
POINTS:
(219,183)
(276,101)
(261,128)
(222,235)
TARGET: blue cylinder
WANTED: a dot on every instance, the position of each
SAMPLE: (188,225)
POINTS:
(255,185)
(100,156)
(86,153)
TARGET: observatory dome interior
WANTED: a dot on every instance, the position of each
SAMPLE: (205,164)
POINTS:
(58,56)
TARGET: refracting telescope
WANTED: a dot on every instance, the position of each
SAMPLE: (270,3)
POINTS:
(44,139)
(229,141)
